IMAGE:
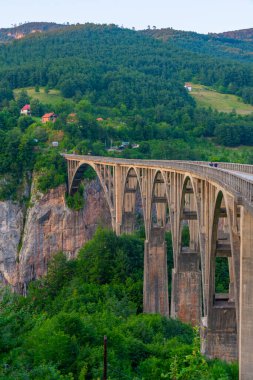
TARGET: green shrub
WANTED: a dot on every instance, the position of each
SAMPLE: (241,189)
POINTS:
(76,201)
(51,169)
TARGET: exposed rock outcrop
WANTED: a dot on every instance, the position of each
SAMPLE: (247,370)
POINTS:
(50,227)
(11,226)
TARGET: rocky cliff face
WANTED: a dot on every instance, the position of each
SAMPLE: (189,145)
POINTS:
(11,226)
(50,226)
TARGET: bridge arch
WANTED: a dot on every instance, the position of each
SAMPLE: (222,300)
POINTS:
(221,244)
(187,303)
(77,177)
(189,213)
(155,285)
(221,308)
(131,191)
(159,201)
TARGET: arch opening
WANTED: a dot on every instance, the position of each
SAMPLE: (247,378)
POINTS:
(189,226)
(187,298)
(222,267)
(132,211)
(86,173)
(160,217)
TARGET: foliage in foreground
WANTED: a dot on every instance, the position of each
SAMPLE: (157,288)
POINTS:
(57,331)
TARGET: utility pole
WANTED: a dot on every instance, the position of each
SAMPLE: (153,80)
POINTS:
(105,358)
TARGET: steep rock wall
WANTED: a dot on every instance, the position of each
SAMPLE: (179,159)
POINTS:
(11,226)
(50,226)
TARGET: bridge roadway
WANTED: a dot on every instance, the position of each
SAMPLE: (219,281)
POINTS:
(217,205)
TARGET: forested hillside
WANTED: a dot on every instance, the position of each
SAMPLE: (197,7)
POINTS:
(121,85)
(91,51)
(235,45)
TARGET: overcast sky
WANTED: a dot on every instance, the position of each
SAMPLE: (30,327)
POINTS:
(202,16)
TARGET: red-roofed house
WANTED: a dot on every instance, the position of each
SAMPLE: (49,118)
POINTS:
(26,110)
(49,117)
(100,119)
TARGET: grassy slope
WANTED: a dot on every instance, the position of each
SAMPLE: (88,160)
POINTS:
(52,97)
(207,97)
(204,96)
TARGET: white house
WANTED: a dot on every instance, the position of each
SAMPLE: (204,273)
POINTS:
(26,110)
(188,86)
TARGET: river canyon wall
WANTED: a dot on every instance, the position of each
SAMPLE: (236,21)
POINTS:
(30,236)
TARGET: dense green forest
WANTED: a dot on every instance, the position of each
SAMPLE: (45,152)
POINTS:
(57,331)
(231,45)
(133,83)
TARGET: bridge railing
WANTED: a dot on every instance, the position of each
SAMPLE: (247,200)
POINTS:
(231,181)
(244,168)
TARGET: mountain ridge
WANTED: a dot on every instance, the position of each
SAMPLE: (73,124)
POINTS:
(240,34)
(235,45)
(21,30)
(17,32)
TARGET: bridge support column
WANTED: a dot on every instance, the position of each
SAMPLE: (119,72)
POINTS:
(118,199)
(219,334)
(155,288)
(186,289)
(246,298)
(128,223)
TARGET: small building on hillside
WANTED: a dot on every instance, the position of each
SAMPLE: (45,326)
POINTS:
(124,145)
(188,86)
(49,117)
(26,110)
(72,118)
(99,119)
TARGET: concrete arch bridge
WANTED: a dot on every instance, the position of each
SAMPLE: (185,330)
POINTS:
(217,205)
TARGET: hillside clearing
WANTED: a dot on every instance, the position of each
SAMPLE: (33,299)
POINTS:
(207,97)
(52,97)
